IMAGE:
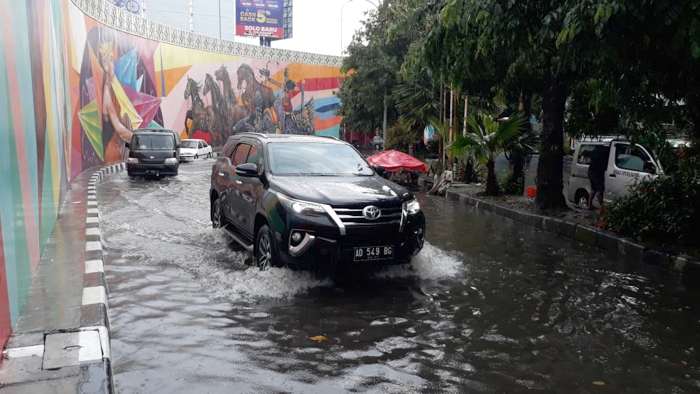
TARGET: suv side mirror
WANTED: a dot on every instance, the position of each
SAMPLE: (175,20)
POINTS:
(379,170)
(247,170)
(649,168)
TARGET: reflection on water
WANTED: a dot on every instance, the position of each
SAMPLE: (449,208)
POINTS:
(487,306)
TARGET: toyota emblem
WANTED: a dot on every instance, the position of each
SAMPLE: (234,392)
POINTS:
(151,157)
(371,212)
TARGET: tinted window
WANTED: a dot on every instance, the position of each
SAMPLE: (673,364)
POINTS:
(241,154)
(304,158)
(189,144)
(153,142)
(628,157)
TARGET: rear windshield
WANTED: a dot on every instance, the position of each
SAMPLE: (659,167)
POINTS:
(189,144)
(153,142)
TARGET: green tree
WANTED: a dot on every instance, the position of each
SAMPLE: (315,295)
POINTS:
(381,71)
(534,47)
(487,139)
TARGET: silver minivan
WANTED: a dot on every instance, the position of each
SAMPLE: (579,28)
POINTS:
(627,163)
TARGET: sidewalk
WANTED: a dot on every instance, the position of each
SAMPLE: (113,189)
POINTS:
(60,343)
(577,225)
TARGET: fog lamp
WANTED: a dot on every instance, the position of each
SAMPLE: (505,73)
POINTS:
(296,237)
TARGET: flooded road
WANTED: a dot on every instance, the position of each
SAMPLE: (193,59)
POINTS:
(488,306)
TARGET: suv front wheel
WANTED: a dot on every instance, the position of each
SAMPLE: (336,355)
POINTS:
(217,218)
(265,248)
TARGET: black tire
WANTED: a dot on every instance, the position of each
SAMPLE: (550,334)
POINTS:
(217,217)
(209,155)
(196,157)
(265,251)
(582,199)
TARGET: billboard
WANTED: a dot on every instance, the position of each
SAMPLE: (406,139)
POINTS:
(260,18)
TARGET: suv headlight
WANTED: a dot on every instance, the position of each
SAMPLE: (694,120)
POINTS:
(302,207)
(171,160)
(308,208)
(412,207)
(132,160)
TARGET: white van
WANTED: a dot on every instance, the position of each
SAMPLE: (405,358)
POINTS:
(627,164)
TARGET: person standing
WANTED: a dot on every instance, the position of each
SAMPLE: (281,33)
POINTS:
(596,175)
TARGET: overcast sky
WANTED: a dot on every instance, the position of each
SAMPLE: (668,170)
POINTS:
(317,23)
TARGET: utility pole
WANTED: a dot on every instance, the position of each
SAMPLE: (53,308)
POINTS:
(466,110)
(219,19)
(385,117)
(191,14)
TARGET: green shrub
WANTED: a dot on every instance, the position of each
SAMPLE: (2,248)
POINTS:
(665,210)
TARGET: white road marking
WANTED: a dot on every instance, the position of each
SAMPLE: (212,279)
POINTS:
(93,210)
(94,295)
(92,231)
(92,246)
(92,266)
(90,347)
(104,338)
(27,351)
(92,219)
(92,203)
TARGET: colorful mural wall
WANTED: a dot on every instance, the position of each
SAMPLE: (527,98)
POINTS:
(127,82)
(72,90)
(35,113)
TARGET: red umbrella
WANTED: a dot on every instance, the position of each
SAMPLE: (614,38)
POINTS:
(393,161)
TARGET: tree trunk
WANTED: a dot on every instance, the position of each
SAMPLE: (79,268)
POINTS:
(517,155)
(491,182)
(549,168)
(694,114)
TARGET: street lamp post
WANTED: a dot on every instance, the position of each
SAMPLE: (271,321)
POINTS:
(219,19)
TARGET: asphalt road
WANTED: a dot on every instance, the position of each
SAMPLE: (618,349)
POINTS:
(488,306)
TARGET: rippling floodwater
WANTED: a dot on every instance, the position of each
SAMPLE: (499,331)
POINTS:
(488,306)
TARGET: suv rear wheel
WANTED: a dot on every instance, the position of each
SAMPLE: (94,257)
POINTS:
(265,249)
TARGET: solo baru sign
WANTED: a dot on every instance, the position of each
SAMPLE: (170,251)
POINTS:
(259,18)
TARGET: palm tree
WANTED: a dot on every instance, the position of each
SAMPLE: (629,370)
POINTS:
(485,141)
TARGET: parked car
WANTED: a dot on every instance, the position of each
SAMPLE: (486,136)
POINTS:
(311,202)
(627,164)
(192,149)
(153,152)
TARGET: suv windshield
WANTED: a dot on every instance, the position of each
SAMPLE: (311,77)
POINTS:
(305,158)
(154,142)
(189,144)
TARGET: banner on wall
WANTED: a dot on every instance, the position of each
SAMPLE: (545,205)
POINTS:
(260,18)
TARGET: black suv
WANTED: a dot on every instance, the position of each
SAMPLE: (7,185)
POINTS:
(153,152)
(311,202)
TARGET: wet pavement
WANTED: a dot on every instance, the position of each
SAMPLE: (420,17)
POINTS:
(488,306)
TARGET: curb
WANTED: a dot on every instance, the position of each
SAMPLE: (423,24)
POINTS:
(606,241)
(94,313)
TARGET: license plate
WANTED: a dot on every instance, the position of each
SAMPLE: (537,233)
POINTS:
(369,253)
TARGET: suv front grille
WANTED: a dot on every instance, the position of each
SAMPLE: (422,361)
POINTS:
(355,217)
